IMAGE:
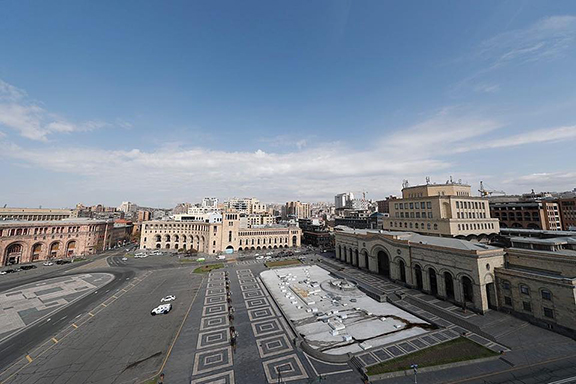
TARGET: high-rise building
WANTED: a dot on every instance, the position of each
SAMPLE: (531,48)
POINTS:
(210,202)
(143,216)
(247,205)
(343,200)
(297,210)
(125,207)
(442,210)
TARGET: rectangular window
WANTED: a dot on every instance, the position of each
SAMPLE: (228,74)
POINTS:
(396,206)
(429,205)
(527,306)
(422,205)
(524,290)
(429,215)
(457,204)
(411,205)
(546,295)
(508,301)
(401,205)
(417,215)
(548,312)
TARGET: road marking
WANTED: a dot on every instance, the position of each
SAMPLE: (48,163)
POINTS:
(564,381)
(74,325)
(91,314)
(28,358)
(55,340)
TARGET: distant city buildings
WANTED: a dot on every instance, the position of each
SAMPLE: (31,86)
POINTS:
(247,205)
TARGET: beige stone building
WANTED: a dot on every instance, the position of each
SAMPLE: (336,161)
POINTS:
(543,215)
(35,214)
(452,269)
(213,238)
(446,210)
(27,241)
(538,283)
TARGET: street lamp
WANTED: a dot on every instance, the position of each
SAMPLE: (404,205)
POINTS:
(415,368)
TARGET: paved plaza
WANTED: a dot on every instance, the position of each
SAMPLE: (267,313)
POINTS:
(26,304)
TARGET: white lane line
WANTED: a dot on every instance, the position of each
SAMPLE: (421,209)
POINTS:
(564,381)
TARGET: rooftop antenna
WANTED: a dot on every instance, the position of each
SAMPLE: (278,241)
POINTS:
(427,180)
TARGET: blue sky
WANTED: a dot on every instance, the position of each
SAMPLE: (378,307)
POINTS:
(165,102)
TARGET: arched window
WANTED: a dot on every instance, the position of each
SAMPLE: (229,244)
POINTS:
(435,227)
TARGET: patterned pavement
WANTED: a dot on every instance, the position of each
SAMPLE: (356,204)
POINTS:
(447,329)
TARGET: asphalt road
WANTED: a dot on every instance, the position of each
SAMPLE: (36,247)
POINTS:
(20,344)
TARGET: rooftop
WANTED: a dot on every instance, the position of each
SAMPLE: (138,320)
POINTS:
(80,220)
(416,238)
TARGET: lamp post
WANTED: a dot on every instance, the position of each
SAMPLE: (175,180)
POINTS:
(415,368)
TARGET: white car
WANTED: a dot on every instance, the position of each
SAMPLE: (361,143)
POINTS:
(2,272)
(269,253)
(168,298)
(221,257)
(161,309)
(124,259)
(259,257)
(48,263)
(257,254)
(268,258)
(157,253)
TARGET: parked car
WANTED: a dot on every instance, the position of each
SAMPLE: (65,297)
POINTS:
(168,298)
(63,261)
(2,272)
(157,253)
(124,259)
(268,258)
(9,271)
(48,263)
(269,253)
(161,309)
(27,267)
(221,257)
(259,257)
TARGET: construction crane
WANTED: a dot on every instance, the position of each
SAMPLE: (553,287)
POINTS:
(488,192)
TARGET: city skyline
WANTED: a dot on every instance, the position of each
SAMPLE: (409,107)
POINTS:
(165,104)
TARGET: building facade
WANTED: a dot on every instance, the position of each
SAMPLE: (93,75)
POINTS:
(35,214)
(297,210)
(534,278)
(228,235)
(452,269)
(247,205)
(446,210)
(538,283)
(567,213)
(543,215)
(23,242)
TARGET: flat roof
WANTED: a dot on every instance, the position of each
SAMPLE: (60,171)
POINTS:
(80,220)
(417,238)
(539,232)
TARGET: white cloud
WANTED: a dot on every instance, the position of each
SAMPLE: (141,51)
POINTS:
(487,88)
(314,172)
(545,181)
(30,120)
(546,39)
